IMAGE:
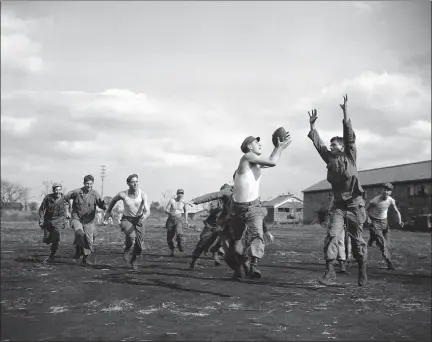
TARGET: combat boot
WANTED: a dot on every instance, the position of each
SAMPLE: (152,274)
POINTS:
(329,274)
(77,255)
(193,263)
(254,272)
(85,262)
(216,259)
(246,268)
(236,275)
(390,266)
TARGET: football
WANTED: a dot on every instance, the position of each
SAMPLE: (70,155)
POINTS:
(279,133)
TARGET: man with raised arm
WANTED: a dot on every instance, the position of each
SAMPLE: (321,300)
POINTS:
(136,210)
(377,210)
(349,206)
(174,224)
(245,211)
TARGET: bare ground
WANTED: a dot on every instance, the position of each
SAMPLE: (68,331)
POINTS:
(165,301)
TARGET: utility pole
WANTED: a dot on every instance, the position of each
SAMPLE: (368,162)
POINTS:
(102,176)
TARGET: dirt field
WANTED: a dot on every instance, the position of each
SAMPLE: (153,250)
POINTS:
(165,301)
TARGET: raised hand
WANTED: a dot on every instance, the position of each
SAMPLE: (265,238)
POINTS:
(284,143)
(344,105)
(312,116)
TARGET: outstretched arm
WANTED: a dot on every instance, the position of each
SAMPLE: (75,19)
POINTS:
(100,201)
(113,202)
(349,136)
(314,136)
(274,157)
(209,197)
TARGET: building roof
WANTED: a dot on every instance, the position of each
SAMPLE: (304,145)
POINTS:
(393,174)
(280,200)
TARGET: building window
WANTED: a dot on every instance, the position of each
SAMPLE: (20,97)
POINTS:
(420,190)
(299,210)
(284,210)
(410,191)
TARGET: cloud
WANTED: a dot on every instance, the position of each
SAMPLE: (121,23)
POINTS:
(385,101)
(171,141)
(19,53)
(77,124)
(362,6)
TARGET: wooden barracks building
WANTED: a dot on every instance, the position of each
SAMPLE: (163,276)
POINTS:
(412,190)
(284,208)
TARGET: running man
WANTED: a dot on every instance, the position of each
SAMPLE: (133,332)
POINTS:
(245,209)
(52,217)
(348,207)
(377,210)
(136,210)
(84,203)
(174,224)
(212,224)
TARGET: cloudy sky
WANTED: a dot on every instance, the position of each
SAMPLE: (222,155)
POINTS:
(169,90)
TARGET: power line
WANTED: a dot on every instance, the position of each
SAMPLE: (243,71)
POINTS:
(103,168)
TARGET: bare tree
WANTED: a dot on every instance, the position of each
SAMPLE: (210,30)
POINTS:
(166,196)
(46,187)
(11,192)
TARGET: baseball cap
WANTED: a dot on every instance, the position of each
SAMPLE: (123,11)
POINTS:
(388,186)
(247,141)
(180,191)
(225,186)
(56,185)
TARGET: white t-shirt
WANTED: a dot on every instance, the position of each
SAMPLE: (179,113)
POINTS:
(378,207)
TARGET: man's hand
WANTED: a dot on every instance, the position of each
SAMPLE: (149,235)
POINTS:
(106,216)
(284,144)
(401,224)
(269,236)
(344,105)
(368,220)
(312,116)
(41,224)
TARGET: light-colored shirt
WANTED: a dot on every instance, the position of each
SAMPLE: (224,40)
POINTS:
(132,206)
(246,187)
(378,207)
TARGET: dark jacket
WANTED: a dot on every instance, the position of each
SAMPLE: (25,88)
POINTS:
(219,210)
(342,171)
(52,211)
(84,209)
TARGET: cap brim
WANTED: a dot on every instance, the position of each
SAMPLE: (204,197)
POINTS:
(258,139)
